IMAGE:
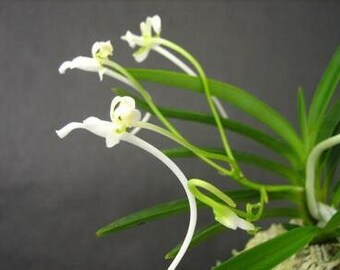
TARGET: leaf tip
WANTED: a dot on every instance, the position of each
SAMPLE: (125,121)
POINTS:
(101,232)
(169,256)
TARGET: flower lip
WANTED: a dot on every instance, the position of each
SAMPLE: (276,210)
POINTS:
(102,49)
(123,112)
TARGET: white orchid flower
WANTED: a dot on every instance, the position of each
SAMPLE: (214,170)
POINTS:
(124,115)
(100,50)
(148,42)
(149,29)
(227,217)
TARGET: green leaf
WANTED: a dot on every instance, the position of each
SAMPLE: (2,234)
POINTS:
(164,210)
(200,236)
(245,130)
(330,122)
(330,231)
(329,162)
(248,158)
(333,224)
(272,252)
(302,114)
(324,93)
(175,207)
(336,195)
(231,94)
(205,233)
(330,127)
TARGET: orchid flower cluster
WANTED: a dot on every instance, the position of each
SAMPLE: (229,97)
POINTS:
(126,121)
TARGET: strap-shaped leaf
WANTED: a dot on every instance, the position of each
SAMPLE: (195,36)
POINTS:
(332,224)
(330,231)
(200,236)
(272,252)
(324,92)
(330,122)
(336,194)
(164,210)
(248,158)
(245,130)
(231,94)
(302,114)
(175,207)
(206,233)
(330,161)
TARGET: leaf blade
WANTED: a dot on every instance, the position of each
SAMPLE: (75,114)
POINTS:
(163,210)
(302,114)
(243,157)
(272,252)
(324,92)
(330,122)
(332,224)
(229,93)
(258,136)
(174,207)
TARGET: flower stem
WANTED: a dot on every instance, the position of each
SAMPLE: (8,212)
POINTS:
(204,155)
(208,157)
(174,59)
(143,93)
(206,88)
(195,183)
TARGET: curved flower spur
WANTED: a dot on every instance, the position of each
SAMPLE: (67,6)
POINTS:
(123,117)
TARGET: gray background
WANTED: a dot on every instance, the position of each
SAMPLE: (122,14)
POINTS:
(54,194)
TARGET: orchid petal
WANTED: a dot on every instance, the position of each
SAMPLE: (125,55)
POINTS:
(123,112)
(141,54)
(93,124)
(145,28)
(111,140)
(130,38)
(99,127)
(63,132)
(82,63)
(129,101)
(156,24)
(115,101)
(126,102)
(135,117)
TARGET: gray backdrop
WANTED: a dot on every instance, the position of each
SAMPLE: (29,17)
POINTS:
(54,194)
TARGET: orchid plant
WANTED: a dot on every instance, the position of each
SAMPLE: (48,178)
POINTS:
(309,157)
